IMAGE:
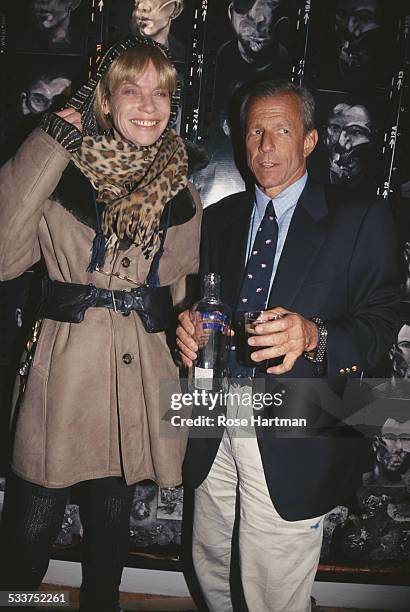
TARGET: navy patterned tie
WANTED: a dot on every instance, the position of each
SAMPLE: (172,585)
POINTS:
(256,282)
(257,277)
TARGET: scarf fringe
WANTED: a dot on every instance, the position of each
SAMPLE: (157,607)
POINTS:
(98,253)
(135,214)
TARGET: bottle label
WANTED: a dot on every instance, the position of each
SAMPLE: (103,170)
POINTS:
(203,378)
(215,320)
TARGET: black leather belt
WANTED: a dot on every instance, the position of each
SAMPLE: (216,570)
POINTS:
(68,302)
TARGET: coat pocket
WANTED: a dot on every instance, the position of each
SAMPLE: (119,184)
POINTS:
(45,344)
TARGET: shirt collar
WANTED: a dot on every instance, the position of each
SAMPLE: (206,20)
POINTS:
(285,200)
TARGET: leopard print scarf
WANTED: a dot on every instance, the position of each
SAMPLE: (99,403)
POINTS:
(134,183)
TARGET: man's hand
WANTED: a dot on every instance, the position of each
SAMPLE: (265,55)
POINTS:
(71,116)
(186,343)
(290,335)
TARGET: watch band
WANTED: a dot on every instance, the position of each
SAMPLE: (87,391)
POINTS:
(318,355)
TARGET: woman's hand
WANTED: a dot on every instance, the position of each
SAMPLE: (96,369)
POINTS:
(71,116)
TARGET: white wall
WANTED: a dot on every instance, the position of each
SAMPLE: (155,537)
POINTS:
(155,582)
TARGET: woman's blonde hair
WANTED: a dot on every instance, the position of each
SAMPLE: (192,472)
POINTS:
(129,67)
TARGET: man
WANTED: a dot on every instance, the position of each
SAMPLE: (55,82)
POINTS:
(153,18)
(333,306)
(357,28)
(53,18)
(400,354)
(41,94)
(391,450)
(348,139)
(255,52)
(255,46)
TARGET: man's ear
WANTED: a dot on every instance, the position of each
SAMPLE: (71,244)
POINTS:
(230,9)
(310,141)
(179,5)
(23,101)
(376,444)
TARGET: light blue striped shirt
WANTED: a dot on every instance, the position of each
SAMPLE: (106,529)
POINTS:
(284,205)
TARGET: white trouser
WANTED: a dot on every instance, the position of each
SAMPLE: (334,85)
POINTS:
(278,558)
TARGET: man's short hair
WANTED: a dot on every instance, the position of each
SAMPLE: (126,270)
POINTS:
(266,89)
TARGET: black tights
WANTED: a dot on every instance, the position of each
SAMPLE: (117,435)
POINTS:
(32,519)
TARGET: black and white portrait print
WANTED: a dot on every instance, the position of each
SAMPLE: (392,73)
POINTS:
(49,26)
(36,84)
(348,150)
(348,41)
(253,41)
(148,526)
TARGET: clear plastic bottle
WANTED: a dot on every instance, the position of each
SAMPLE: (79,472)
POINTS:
(211,319)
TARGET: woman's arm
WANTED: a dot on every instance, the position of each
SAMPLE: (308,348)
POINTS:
(26,181)
(183,290)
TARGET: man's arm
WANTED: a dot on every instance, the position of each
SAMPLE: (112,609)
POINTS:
(365,334)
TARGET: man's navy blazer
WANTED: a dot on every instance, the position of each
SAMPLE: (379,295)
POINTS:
(339,263)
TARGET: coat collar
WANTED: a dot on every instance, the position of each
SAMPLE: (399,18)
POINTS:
(305,236)
(304,239)
(233,241)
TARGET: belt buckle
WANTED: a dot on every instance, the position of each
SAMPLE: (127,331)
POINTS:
(128,301)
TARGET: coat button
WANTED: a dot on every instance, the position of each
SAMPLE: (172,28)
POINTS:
(354,368)
(342,371)
(126,262)
(347,370)
(127,358)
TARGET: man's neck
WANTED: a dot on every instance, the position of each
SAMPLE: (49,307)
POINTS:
(162,36)
(257,63)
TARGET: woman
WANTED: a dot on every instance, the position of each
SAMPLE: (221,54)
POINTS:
(101,192)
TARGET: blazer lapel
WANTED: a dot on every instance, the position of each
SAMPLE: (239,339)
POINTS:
(304,239)
(232,248)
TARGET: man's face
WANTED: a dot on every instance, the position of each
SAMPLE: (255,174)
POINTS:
(276,145)
(252,23)
(49,13)
(354,20)
(391,453)
(153,16)
(40,97)
(401,353)
(140,111)
(348,137)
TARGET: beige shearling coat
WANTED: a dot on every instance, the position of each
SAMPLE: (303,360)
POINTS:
(86,413)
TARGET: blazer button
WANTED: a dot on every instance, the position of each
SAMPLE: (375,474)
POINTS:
(127,358)
(342,371)
(354,368)
(347,370)
(126,262)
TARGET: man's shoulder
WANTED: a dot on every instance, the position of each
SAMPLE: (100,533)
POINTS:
(352,202)
(228,206)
